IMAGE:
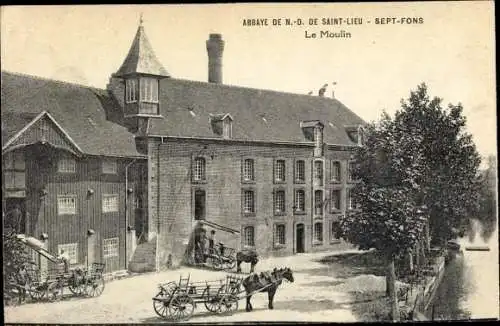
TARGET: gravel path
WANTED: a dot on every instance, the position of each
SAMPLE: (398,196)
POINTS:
(312,297)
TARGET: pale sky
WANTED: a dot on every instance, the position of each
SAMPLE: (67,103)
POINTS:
(452,50)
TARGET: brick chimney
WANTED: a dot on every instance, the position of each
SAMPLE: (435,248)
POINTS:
(215,47)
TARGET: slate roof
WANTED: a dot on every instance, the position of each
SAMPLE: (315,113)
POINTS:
(259,115)
(141,58)
(79,110)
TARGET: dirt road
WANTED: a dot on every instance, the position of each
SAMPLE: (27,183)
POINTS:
(312,297)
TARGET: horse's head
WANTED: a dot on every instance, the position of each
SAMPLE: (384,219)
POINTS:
(287,274)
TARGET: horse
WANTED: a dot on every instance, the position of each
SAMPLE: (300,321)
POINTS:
(247,256)
(265,282)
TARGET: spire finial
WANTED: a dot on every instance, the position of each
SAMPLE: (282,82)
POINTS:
(140,20)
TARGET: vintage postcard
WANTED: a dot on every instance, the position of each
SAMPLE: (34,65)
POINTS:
(230,163)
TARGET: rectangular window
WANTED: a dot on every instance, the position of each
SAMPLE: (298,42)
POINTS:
(248,236)
(248,170)
(109,167)
(226,129)
(70,250)
(17,161)
(66,165)
(318,232)
(130,91)
(318,173)
(300,171)
(335,171)
(279,234)
(199,169)
(335,231)
(109,203)
(335,200)
(351,171)
(279,171)
(248,201)
(300,200)
(279,201)
(110,247)
(318,202)
(14,167)
(199,204)
(149,90)
(15,179)
(349,200)
(66,205)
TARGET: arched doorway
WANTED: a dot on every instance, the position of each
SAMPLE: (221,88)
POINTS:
(299,238)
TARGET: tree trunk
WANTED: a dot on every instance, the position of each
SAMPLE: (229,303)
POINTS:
(410,261)
(427,236)
(417,255)
(391,289)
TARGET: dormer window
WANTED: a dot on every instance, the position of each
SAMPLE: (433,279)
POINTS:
(149,90)
(227,129)
(361,136)
(356,134)
(131,91)
(313,131)
(222,125)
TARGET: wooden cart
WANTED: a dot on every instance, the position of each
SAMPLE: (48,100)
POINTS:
(177,301)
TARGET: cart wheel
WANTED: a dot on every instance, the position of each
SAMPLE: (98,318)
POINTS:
(161,306)
(77,290)
(212,304)
(95,287)
(230,264)
(228,304)
(217,263)
(54,292)
(77,287)
(181,307)
(36,292)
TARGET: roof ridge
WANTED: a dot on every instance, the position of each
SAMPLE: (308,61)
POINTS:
(51,80)
(256,89)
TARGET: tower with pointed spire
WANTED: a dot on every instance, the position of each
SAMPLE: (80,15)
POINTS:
(141,71)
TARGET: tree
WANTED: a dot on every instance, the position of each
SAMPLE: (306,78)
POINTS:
(14,255)
(388,172)
(450,179)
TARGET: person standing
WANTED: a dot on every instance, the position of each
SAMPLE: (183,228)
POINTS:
(64,258)
(14,218)
(203,246)
(211,242)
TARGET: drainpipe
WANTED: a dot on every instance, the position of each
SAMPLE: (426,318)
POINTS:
(158,192)
(126,209)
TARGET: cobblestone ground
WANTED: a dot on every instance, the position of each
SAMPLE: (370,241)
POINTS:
(312,297)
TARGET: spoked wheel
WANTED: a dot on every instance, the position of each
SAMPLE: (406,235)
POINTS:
(228,304)
(94,287)
(160,305)
(36,292)
(231,264)
(77,286)
(181,307)
(217,263)
(212,304)
(77,289)
(54,291)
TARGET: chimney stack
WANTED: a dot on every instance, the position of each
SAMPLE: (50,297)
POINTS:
(215,47)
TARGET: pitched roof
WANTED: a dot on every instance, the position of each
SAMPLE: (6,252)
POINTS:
(79,110)
(141,58)
(18,137)
(261,115)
